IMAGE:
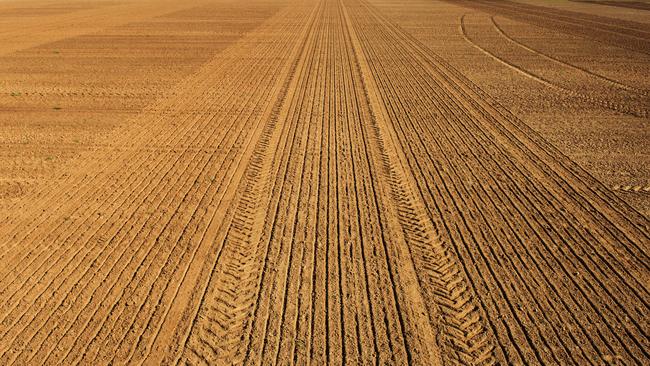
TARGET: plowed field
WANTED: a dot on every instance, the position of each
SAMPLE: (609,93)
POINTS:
(324,182)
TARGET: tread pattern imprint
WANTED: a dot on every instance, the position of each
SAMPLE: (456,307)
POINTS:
(326,190)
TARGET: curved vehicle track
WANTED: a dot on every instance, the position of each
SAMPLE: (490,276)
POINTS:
(629,35)
(329,190)
(605,79)
(617,100)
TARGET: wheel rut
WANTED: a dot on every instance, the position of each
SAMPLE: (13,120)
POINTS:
(621,107)
(447,128)
(465,338)
(329,190)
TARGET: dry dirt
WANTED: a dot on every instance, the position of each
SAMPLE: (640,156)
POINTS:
(324,181)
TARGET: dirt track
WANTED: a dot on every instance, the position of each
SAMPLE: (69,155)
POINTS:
(322,181)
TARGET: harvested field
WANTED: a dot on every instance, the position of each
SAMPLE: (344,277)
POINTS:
(324,182)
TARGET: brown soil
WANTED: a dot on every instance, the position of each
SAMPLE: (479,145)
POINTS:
(323,181)
(624,4)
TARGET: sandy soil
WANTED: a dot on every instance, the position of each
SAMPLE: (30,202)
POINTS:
(587,96)
(324,181)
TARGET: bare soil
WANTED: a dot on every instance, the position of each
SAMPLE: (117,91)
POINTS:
(324,182)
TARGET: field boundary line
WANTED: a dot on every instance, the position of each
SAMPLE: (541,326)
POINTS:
(90,20)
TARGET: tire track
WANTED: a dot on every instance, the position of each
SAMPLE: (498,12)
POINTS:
(608,31)
(349,277)
(236,269)
(285,140)
(631,188)
(549,334)
(605,79)
(208,135)
(278,97)
(467,340)
(617,107)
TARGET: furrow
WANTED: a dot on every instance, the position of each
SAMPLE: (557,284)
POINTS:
(615,106)
(202,177)
(240,261)
(604,31)
(633,302)
(466,340)
(605,79)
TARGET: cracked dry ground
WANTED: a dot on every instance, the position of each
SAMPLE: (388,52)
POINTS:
(324,181)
